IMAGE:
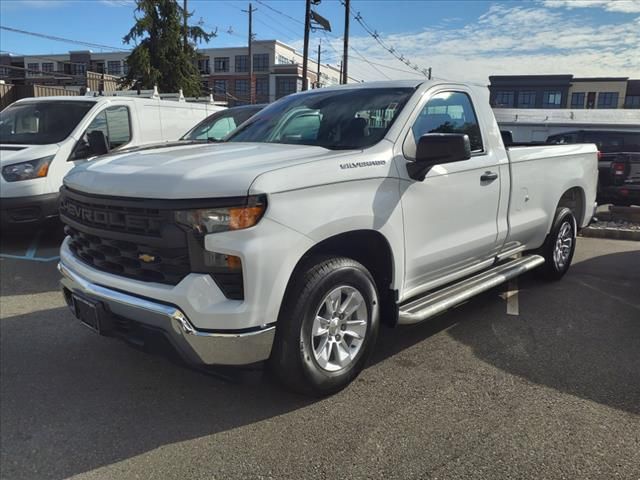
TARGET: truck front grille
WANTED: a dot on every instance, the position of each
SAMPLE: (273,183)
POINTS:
(129,259)
(139,239)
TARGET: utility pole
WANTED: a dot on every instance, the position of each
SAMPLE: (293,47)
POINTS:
(252,97)
(429,77)
(318,74)
(345,53)
(184,27)
(305,51)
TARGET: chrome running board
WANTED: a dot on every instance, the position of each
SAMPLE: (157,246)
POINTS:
(433,303)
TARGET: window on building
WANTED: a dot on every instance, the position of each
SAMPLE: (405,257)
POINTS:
(114,67)
(220,87)
(262,87)
(449,112)
(78,68)
(552,99)
(577,100)
(47,67)
(242,63)
(526,99)
(632,101)
(282,60)
(286,86)
(203,66)
(4,71)
(242,89)
(33,68)
(221,64)
(503,99)
(260,62)
(125,67)
(608,100)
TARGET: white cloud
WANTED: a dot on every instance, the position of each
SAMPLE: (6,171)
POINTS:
(511,39)
(624,6)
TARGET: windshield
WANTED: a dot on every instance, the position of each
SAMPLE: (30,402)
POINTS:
(40,123)
(217,126)
(335,119)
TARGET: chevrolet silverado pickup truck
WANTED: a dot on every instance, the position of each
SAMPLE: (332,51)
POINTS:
(324,215)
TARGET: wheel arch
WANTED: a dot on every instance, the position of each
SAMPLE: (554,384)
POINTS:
(574,198)
(368,247)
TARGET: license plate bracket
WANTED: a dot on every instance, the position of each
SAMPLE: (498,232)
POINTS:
(90,313)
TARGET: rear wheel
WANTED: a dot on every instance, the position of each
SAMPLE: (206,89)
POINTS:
(560,245)
(327,327)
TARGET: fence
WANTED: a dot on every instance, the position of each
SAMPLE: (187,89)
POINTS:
(97,82)
(11,93)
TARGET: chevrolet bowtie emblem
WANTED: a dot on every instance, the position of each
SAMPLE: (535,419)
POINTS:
(146,258)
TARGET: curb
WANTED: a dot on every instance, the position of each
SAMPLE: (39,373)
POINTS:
(612,233)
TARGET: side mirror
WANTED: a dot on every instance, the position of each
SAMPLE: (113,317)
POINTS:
(436,149)
(98,142)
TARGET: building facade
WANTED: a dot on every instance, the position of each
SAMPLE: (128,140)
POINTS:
(563,91)
(277,70)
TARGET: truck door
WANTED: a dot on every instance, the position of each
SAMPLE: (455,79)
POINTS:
(450,217)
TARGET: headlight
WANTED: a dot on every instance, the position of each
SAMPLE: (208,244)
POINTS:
(222,219)
(27,170)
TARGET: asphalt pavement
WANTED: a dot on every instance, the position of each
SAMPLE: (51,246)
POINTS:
(552,392)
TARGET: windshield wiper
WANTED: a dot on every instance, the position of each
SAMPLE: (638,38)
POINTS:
(213,140)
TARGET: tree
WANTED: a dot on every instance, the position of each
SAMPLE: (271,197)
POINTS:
(160,56)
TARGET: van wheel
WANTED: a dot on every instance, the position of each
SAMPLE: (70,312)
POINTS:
(327,327)
(559,246)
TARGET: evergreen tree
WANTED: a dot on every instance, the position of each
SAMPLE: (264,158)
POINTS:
(160,56)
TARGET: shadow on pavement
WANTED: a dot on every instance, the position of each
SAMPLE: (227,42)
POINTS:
(580,336)
(94,401)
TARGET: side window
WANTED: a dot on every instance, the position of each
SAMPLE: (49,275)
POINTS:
(449,112)
(114,123)
(118,126)
(220,128)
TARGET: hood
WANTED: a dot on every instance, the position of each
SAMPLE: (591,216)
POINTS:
(10,153)
(193,171)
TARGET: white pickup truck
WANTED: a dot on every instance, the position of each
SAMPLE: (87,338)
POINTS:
(328,212)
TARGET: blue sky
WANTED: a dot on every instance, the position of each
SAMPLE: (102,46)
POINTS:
(458,39)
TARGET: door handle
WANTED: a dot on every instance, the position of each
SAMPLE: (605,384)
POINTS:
(488,176)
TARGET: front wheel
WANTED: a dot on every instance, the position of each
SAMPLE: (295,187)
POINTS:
(327,327)
(560,245)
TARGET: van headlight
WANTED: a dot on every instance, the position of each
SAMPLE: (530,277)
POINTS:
(37,168)
(222,219)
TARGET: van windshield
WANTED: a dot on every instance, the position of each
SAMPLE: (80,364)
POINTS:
(334,119)
(41,123)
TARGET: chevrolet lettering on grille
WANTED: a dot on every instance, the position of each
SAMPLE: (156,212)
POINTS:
(103,218)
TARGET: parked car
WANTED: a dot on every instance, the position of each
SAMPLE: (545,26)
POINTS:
(217,126)
(325,214)
(41,139)
(618,165)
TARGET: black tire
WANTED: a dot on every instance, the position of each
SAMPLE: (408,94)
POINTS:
(552,269)
(293,361)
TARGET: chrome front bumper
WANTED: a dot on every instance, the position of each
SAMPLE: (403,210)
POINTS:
(195,346)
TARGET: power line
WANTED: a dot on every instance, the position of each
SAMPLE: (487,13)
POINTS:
(376,36)
(279,12)
(61,39)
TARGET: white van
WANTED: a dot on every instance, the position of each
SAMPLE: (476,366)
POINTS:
(41,139)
